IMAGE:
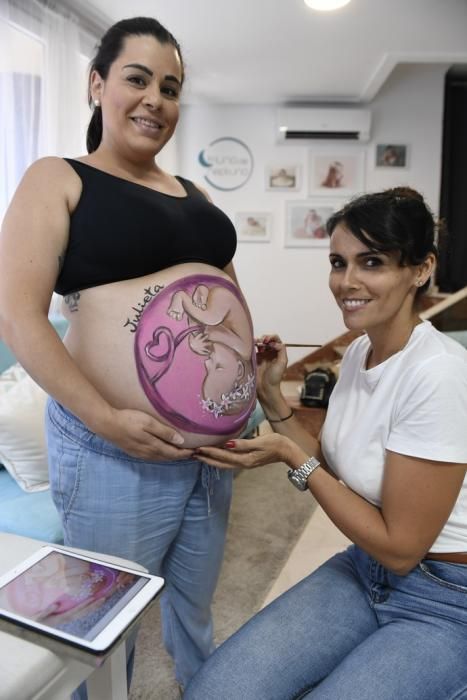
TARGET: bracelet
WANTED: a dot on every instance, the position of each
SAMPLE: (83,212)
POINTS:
(281,420)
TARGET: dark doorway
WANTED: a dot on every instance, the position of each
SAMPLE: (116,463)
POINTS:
(452,269)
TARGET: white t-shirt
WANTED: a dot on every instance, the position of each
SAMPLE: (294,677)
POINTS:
(414,403)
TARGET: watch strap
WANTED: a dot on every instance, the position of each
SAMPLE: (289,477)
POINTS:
(299,476)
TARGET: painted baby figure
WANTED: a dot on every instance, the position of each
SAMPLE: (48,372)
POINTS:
(225,338)
(195,358)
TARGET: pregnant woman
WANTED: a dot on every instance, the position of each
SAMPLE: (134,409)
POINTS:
(159,355)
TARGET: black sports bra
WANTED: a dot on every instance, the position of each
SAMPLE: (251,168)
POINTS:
(122,230)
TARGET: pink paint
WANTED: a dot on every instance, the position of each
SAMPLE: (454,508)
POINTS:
(195,356)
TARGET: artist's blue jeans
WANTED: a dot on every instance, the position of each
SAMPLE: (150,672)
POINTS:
(351,630)
(169,517)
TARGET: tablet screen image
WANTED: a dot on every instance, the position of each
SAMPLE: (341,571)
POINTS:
(77,598)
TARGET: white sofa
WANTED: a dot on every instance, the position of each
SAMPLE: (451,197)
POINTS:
(26,506)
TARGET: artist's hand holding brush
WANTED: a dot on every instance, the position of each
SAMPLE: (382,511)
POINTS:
(290,443)
(271,357)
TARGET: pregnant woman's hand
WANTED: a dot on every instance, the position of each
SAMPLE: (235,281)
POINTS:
(140,435)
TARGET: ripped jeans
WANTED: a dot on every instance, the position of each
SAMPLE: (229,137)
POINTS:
(170,517)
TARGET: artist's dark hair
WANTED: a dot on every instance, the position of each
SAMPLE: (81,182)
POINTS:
(396,220)
(108,51)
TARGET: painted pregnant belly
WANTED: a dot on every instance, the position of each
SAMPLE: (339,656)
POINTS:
(195,356)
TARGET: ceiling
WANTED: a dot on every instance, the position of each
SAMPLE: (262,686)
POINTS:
(277,51)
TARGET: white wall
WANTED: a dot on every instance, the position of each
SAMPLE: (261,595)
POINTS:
(287,287)
(409,109)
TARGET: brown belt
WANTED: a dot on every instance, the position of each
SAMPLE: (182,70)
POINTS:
(453,557)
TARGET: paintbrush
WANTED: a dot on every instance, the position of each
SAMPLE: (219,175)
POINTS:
(290,345)
(301,345)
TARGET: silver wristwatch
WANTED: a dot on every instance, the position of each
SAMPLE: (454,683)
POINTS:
(299,477)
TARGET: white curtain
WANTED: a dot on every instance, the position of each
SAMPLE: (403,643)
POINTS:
(41,80)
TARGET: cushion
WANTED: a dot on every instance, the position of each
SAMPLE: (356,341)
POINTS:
(22,433)
(28,514)
(10,377)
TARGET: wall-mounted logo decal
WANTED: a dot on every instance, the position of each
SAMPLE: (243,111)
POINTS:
(228,163)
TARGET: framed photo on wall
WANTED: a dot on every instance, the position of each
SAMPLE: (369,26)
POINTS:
(390,155)
(253,226)
(337,172)
(305,225)
(282,177)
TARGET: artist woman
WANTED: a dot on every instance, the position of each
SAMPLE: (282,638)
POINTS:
(386,618)
(141,378)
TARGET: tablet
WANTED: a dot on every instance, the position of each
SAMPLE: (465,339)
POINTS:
(75,598)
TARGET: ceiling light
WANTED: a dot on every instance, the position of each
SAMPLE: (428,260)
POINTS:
(326,5)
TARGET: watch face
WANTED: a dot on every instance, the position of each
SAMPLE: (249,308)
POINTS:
(296,480)
(299,477)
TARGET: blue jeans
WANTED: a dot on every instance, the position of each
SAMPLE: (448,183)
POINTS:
(170,517)
(352,630)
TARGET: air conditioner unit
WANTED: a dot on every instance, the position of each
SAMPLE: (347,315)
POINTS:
(320,123)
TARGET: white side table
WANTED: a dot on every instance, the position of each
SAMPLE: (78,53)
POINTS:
(50,670)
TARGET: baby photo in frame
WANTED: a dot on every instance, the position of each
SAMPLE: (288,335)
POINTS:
(305,225)
(282,177)
(253,227)
(391,155)
(336,172)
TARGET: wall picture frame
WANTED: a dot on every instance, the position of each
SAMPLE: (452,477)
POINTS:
(389,155)
(283,178)
(305,224)
(253,226)
(336,172)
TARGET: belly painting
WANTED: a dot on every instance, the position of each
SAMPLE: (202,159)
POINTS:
(195,357)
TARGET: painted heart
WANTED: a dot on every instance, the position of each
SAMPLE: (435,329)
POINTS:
(161,347)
